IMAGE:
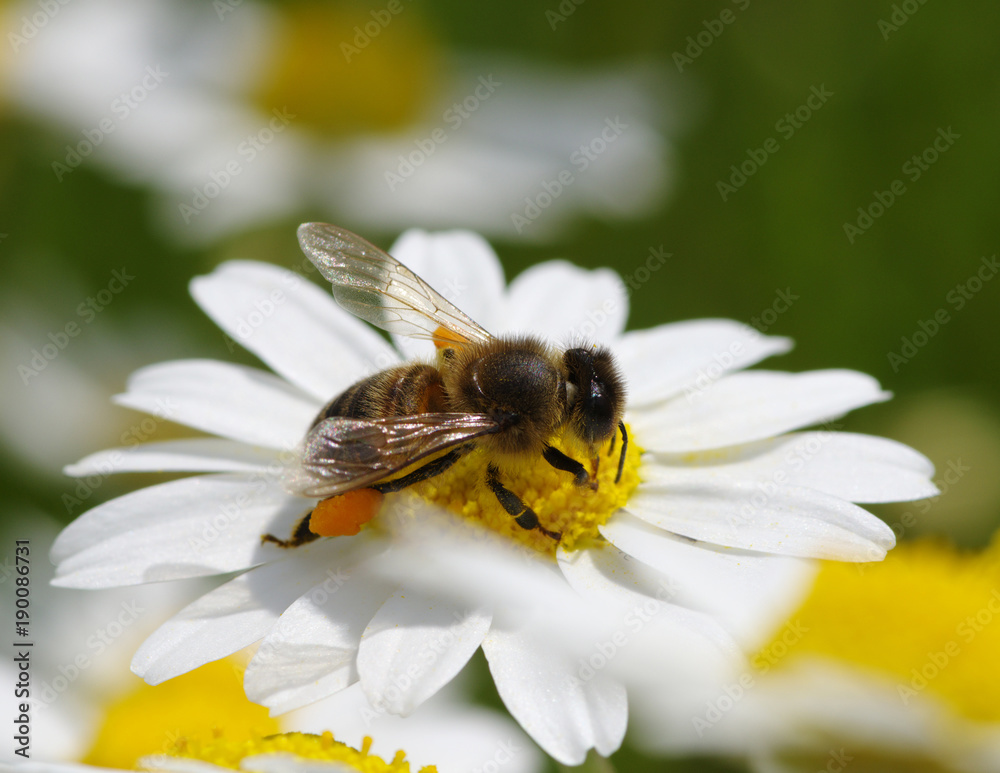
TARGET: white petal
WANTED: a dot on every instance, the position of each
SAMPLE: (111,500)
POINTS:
(786,520)
(309,654)
(285,762)
(187,455)
(566,304)
(292,325)
(414,646)
(752,406)
(750,593)
(224,399)
(463,268)
(858,468)
(564,714)
(606,572)
(185,528)
(241,611)
(474,568)
(692,355)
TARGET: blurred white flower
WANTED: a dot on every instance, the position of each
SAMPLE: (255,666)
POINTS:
(252,113)
(888,667)
(402,606)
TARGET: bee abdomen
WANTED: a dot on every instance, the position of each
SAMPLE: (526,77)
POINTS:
(400,391)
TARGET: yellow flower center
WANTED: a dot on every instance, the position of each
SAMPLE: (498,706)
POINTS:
(339,69)
(928,617)
(574,511)
(181,718)
(231,753)
(149,720)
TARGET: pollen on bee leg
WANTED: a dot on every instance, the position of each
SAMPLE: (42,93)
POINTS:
(344,515)
(444,338)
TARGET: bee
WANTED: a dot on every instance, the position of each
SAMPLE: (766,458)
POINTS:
(507,395)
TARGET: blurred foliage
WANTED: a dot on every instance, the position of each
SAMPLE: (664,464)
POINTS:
(783,230)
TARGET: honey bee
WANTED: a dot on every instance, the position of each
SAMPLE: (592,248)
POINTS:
(508,395)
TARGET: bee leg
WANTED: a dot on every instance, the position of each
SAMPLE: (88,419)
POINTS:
(300,536)
(419,475)
(560,461)
(524,516)
(621,459)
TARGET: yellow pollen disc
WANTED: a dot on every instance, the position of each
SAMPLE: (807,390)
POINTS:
(229,753)
(149,719)
(336,69)
(561,506)
(928,618)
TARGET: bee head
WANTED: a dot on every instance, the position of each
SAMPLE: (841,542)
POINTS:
(595,394)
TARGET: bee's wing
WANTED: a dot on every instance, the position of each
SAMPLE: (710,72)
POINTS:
(342,454)
(378,288)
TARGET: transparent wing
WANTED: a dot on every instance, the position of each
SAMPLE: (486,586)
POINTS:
(342,454)
(378,288)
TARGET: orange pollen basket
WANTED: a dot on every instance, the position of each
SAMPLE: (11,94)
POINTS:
(444,338)
(343,516)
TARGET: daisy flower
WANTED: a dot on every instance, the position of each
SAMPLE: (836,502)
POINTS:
(86,706)
(722,503)
(888,666)
(237,114)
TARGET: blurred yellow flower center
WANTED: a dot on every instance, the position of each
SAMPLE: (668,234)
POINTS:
(150,720)
(339,69)
(230,753)
(574,511)
(928,617)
